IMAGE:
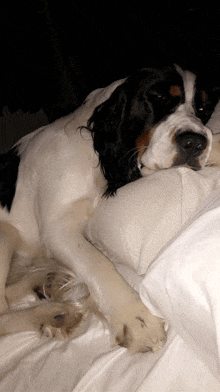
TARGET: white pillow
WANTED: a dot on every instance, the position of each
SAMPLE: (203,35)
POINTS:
(132,227)
(182,284)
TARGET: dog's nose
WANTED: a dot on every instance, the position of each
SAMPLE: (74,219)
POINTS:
(191,143)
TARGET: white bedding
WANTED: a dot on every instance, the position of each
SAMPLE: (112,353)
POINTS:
(179,281)
(182,284)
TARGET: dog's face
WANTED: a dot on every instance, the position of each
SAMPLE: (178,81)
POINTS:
(154,120)
(180,137)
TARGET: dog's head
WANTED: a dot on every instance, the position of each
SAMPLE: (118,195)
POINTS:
(154,120)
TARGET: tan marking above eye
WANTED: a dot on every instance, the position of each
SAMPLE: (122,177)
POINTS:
(175,91)
(143,141)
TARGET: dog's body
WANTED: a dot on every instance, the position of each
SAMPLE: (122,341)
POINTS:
(150,121)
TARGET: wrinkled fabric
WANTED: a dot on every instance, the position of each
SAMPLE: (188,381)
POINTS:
(180,284)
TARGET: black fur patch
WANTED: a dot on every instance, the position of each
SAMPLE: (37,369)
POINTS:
(9,164)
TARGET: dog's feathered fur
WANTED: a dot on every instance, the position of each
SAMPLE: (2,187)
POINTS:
(147,122)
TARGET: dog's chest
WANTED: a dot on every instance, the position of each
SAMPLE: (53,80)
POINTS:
(56,173)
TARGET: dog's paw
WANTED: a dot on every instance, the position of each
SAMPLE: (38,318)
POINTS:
(61,286)
(57,320)
(135,328)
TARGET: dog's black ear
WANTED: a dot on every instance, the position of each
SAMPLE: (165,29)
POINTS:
(116,124)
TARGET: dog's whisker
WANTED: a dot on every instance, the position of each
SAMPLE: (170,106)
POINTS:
(44,293)
(71,283)
(136,152)
(128,153)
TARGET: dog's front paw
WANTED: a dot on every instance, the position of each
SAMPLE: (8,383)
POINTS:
(135,328)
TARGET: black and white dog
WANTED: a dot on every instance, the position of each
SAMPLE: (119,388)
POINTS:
(54,179)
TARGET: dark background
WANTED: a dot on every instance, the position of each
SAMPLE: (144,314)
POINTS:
(54,52)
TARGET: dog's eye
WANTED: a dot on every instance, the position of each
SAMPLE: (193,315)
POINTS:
(204,112)
(161,97)
(158,96)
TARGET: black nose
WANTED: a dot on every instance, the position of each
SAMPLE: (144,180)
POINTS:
(191,143)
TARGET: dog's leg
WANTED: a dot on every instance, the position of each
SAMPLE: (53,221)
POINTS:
(50,319)
(9,238)
(131,324)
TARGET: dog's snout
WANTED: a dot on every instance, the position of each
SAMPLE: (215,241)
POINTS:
(191,143)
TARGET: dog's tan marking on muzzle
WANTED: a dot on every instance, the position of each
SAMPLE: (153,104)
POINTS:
(143,141)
